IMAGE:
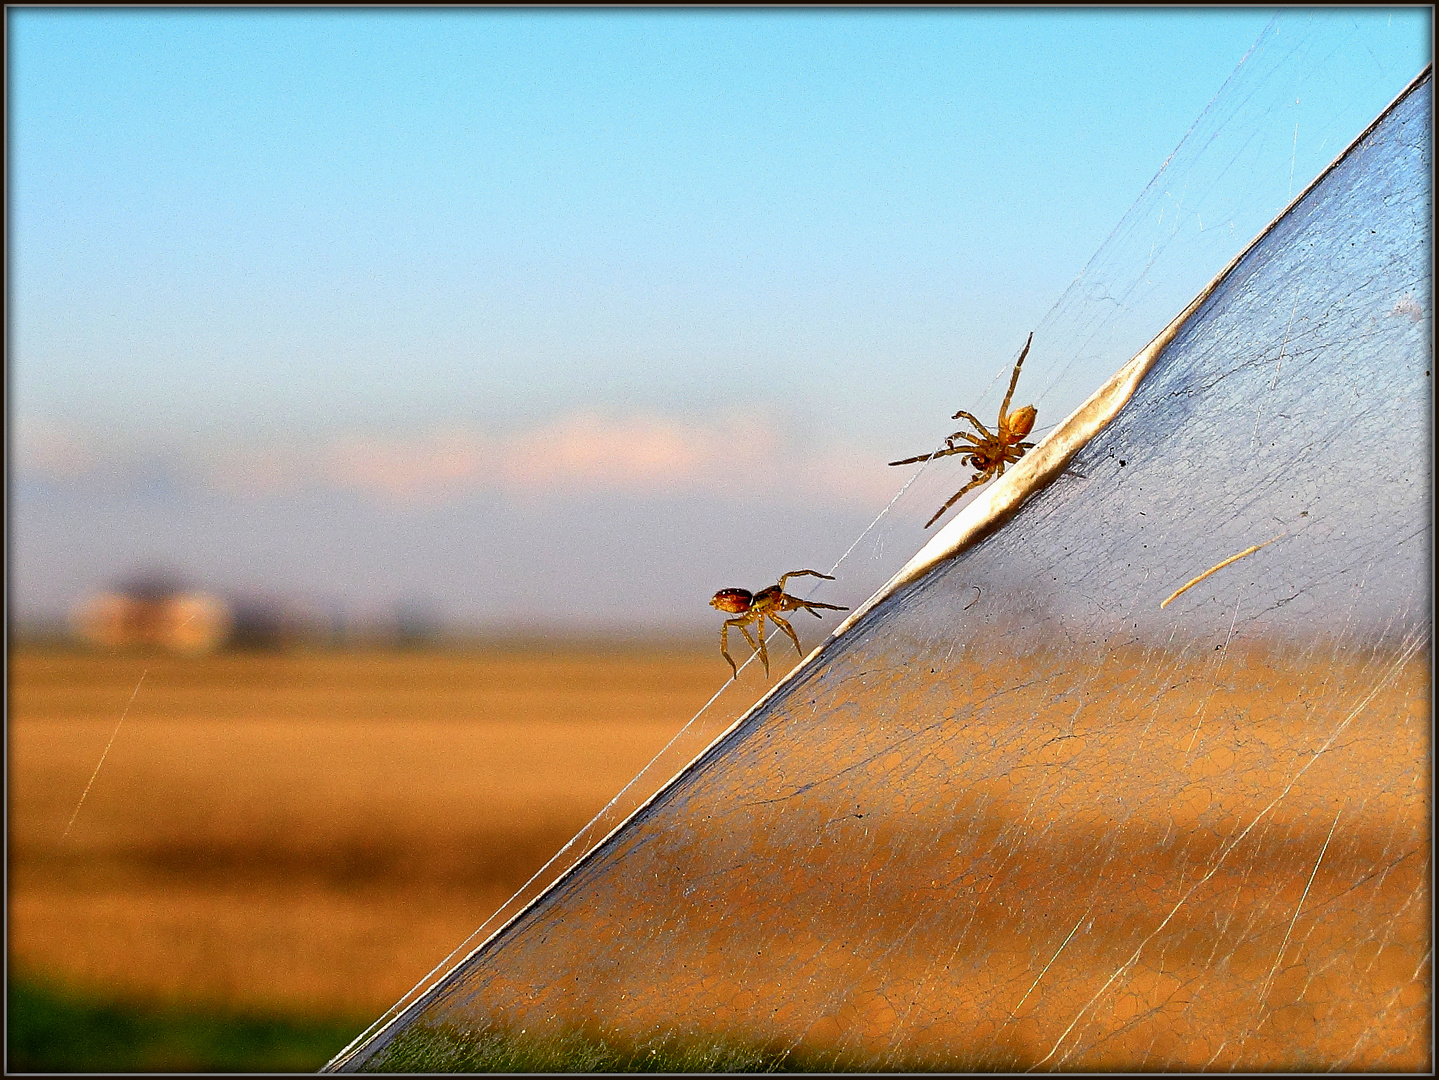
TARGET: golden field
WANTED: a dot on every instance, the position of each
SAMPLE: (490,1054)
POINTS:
(310,831)
(316,831)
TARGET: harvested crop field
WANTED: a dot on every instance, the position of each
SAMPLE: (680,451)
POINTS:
(309,831)
(314,832)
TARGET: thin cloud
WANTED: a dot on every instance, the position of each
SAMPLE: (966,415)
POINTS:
(426,469)
(258,473)
(583,453)
(588,453)
(44,451)
(645,454)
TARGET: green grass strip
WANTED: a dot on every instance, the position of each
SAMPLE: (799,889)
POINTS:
(52,1029)
(448,1049)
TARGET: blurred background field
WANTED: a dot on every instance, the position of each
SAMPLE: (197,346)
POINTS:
(282,842)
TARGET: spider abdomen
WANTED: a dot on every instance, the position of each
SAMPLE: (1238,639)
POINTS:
(737,601)
(1021,422)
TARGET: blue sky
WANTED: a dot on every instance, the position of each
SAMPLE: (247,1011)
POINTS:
(462,279)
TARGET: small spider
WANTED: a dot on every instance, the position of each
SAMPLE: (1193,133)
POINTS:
(989,453)
(766,604)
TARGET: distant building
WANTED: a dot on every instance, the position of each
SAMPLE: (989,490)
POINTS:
(153,613)
(416,624)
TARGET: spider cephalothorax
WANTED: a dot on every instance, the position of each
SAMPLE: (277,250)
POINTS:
(989,453)
(751,607)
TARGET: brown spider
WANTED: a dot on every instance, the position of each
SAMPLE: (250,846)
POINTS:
(989,453)
(766,604)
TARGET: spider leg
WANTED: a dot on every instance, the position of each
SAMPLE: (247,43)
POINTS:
(801,573)
(1014,380)
(724,649)
(763,652)
(810,605)
(933,454)
(784,625)
(981,478)
(745,631)
(724,640)
(988,437)
(966,435)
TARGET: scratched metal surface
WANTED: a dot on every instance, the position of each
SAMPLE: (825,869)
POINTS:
(1024,817)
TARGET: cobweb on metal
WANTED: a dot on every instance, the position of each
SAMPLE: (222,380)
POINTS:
(1139,778)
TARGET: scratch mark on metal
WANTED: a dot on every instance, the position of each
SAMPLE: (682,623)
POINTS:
(1269,980)
(125,712)
(1052,959)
